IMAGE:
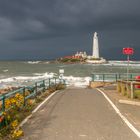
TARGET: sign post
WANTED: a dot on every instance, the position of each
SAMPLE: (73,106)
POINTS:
(61,73)
(128,52)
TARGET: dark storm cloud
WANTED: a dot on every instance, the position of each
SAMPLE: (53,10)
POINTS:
(32,20)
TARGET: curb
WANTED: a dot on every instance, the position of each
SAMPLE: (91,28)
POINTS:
(124,101)
(129,102)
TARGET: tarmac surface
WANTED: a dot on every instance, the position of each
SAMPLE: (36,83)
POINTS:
(77,114)
(131,111)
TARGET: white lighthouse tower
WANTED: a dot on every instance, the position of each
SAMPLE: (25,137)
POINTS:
(95,53)
(95,58)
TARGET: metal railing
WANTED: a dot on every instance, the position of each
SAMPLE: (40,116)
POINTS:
(29,91)
(112,77)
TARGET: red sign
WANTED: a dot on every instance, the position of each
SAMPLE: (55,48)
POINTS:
(128,51)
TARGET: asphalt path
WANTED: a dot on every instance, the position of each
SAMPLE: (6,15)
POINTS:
(77,114)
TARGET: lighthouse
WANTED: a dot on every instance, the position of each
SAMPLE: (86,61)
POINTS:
(95,52)
(95,58)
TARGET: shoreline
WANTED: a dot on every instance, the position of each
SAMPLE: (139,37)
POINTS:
(8,89)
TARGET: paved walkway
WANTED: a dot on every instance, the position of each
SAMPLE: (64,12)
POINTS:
(130,111)
(77,114)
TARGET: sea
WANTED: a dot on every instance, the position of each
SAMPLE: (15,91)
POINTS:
(24,73)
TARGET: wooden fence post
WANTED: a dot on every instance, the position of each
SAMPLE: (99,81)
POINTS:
(132,90)
(119,86)
(123,88)
(128,88)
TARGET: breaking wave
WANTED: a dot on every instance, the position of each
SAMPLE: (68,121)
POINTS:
(33,62)
(25,80)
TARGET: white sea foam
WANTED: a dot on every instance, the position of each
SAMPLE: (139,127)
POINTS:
(63,66)
(33,62)
(77,81)
(119,63)
(26,78)
(124,63)
(38,74)
(19,80)
(5,70)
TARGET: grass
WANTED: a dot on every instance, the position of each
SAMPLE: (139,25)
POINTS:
(137,93)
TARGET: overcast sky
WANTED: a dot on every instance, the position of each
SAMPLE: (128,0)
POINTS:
(47,29)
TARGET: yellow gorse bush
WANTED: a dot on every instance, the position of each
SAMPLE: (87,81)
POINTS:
(14,124)
(10,116)
(17,133)
(17,100)
(7,103)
